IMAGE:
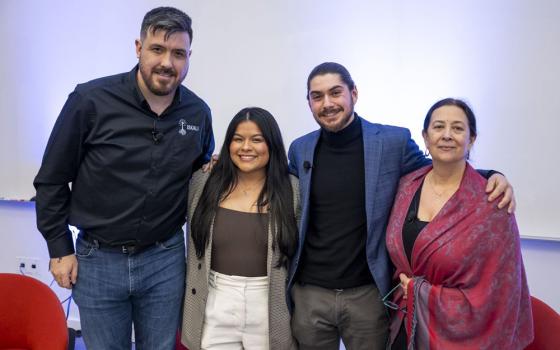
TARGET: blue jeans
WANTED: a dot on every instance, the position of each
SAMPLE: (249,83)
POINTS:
(115,289)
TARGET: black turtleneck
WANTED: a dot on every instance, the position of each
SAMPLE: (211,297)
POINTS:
(334,253)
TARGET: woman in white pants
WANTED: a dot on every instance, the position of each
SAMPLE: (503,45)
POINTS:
(242,233)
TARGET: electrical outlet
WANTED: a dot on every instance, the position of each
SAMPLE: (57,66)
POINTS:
(28,266)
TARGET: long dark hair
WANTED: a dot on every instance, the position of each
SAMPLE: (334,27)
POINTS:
(276,193)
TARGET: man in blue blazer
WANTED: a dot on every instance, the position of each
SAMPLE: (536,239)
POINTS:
(348,174)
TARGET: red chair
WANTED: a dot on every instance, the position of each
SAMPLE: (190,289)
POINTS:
(178,344)
(31,316)
(546,323)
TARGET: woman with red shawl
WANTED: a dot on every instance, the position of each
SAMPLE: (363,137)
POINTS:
(457,256)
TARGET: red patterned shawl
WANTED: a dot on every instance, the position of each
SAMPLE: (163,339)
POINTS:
(469,289)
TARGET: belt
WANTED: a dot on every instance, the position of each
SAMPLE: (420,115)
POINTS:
(118,248)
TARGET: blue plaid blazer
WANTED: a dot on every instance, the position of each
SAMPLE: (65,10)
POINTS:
(389,153)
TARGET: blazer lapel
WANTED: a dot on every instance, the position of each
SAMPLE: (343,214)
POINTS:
(307,155)
(372,158)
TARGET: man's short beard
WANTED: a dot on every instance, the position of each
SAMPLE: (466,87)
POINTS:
(159,92)
(152,87)
(338,127)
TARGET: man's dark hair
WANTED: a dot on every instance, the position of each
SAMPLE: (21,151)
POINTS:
(168,19)
(331,68)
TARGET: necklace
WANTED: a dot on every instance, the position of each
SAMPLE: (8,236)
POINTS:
(249,190)
(438,194)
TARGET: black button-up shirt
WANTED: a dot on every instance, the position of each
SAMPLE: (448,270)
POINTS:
(128,167)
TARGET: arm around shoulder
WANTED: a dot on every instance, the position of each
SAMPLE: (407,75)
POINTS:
(412,157)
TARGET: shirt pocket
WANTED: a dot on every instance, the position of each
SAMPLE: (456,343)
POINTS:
(186,148)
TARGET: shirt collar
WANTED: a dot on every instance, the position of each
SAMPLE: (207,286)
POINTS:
(133,79)
(344,136)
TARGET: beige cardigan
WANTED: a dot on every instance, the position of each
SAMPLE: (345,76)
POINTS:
(196,291)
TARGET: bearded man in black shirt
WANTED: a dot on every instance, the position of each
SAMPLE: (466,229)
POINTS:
(128,145)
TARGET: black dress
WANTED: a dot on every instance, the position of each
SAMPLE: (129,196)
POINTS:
(411,229)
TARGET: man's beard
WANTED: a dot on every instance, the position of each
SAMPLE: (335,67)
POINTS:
(341,124)
(158,90)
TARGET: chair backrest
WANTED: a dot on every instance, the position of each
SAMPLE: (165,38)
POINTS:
(546,323)
(31,316)
(178,344)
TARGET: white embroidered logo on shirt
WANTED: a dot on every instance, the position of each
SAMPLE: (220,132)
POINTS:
(182,124)
(183,127)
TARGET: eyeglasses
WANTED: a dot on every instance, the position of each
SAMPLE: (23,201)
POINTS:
(389,303)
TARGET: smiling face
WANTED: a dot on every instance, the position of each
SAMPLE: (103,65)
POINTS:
(448,136)
(331,101)
(164,63)
(248,149)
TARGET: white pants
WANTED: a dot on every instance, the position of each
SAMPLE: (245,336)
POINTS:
(236,314)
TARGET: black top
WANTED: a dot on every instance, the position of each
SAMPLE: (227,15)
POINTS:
(128,167)
(412,225)
(240,243)
(334,253)
(411,229)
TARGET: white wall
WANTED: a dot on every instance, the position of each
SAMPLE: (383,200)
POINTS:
(541,260)
(404,55)
(19,238)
